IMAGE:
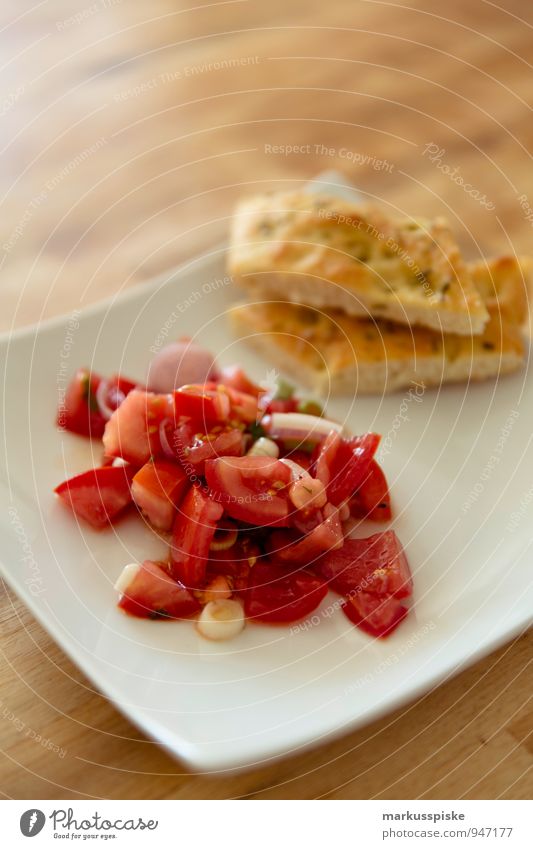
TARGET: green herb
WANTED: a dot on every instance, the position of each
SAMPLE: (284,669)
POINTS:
(285,390)
(256,430)
(296,445)
(87,392)
(310,408)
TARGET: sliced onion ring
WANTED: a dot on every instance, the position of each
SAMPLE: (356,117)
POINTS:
(101,399)
(299,426)
(297,471)
(225,536)
(166,447)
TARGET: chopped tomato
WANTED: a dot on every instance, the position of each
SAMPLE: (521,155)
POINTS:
(377,615)
(132,432)
(275,596)
(281,405)
(195,448)
(372,499)
(152,594)
(350,466)
(111,393)
(194,528)
(324,455)
(252,489)
(284,547)
(243,406)
(204,404)
(80,412)
(99,495)
(234,563)
(303,458)
(157,489)
(235,377)
(376,565)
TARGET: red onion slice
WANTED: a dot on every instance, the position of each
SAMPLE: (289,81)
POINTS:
(300,426)
(101,399)
(166,447)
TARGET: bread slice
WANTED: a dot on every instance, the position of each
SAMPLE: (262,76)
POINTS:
(503,284)
(333,353)
(325,252)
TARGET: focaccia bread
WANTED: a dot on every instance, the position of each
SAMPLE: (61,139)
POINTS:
(503,284)
(325,252)
(333,353)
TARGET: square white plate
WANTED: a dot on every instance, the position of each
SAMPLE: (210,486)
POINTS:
(460,466)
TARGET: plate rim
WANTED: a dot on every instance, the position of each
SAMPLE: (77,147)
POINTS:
(196,757)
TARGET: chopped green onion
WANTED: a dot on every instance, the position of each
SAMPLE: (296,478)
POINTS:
(310,408)
(284,391)
(257,430)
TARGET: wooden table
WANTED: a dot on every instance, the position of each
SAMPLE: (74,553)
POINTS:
(128,131)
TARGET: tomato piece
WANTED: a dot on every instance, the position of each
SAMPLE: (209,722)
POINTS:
(252,489)
(285,547)
(282,405)
(243,406)
(372,499)
(234,563)
(377,615)
(324,455)
(132,432)
(193,449)
(192,534)
(99,495)
(277,597)
(204,404)
(79,412)
(235,377)
(376,565)
(157,489)
(350,466)
(152,594)
(303,458)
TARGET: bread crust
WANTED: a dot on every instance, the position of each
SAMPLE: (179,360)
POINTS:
(325,252)
(333,353)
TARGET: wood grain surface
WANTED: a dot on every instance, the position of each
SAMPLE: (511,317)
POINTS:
(128,130)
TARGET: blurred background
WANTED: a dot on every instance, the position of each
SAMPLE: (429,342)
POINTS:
(129,128)
(128,131)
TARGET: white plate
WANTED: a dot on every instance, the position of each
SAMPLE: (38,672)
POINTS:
(273,690)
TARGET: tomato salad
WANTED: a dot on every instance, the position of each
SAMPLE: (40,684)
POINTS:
(255,489)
